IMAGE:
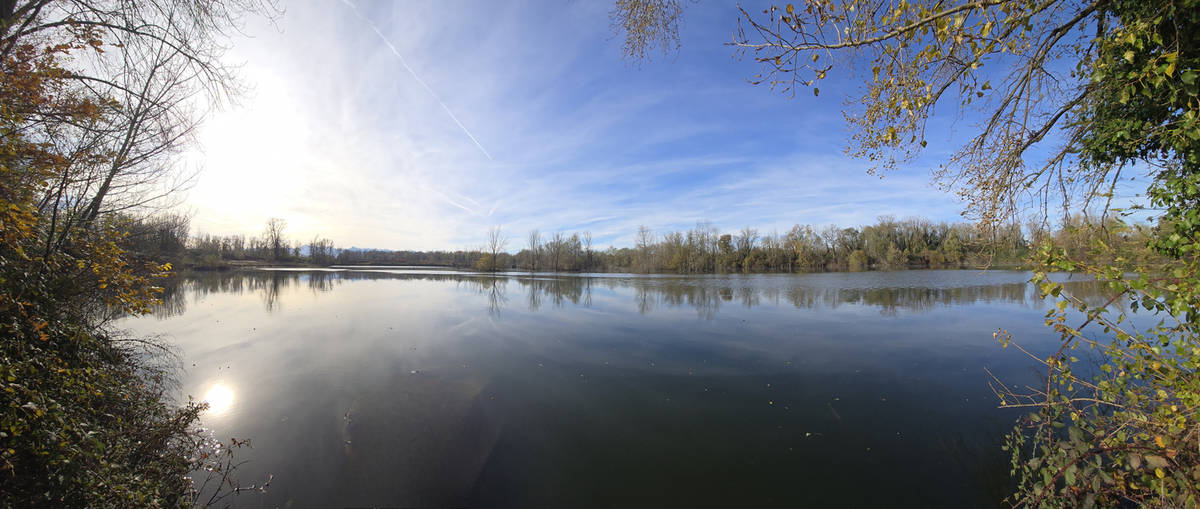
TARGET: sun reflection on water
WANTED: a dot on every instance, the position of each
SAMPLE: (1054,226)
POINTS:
(219,398)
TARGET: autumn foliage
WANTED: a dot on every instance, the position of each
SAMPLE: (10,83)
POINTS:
(87,417)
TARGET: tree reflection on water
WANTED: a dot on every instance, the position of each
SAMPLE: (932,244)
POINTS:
(705,295)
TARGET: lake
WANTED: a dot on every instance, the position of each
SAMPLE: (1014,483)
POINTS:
(426,388)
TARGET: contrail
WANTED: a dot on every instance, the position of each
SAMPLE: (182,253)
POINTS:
(418,78)
(447,199)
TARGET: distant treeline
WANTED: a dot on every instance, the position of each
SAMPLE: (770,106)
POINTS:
(454,259)
(888,244)
(167,237)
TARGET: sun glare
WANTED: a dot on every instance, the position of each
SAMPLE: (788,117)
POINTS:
(219,398)
(261,144)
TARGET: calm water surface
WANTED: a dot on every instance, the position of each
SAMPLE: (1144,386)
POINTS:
(402,388)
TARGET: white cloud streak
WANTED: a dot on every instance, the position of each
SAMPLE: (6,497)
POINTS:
(341,142)
(410,70)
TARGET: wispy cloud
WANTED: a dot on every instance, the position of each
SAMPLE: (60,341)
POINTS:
(387,42)
(341,141)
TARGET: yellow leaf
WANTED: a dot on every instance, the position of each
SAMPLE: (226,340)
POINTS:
(1158,472)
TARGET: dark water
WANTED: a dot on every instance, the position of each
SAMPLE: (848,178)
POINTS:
(427,389)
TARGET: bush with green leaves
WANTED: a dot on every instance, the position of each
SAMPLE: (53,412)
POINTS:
(1124,429)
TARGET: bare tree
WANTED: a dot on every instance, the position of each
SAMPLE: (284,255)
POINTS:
(587,250)
(273,236)
(557,244)
(138,77)
(320,250)
(535,248)
(574,249)
(745,241)
(496,242)
(643,244)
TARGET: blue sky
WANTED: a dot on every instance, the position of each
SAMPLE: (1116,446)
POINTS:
(525,115)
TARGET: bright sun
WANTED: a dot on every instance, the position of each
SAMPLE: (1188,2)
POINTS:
(219,398)
(260,144)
